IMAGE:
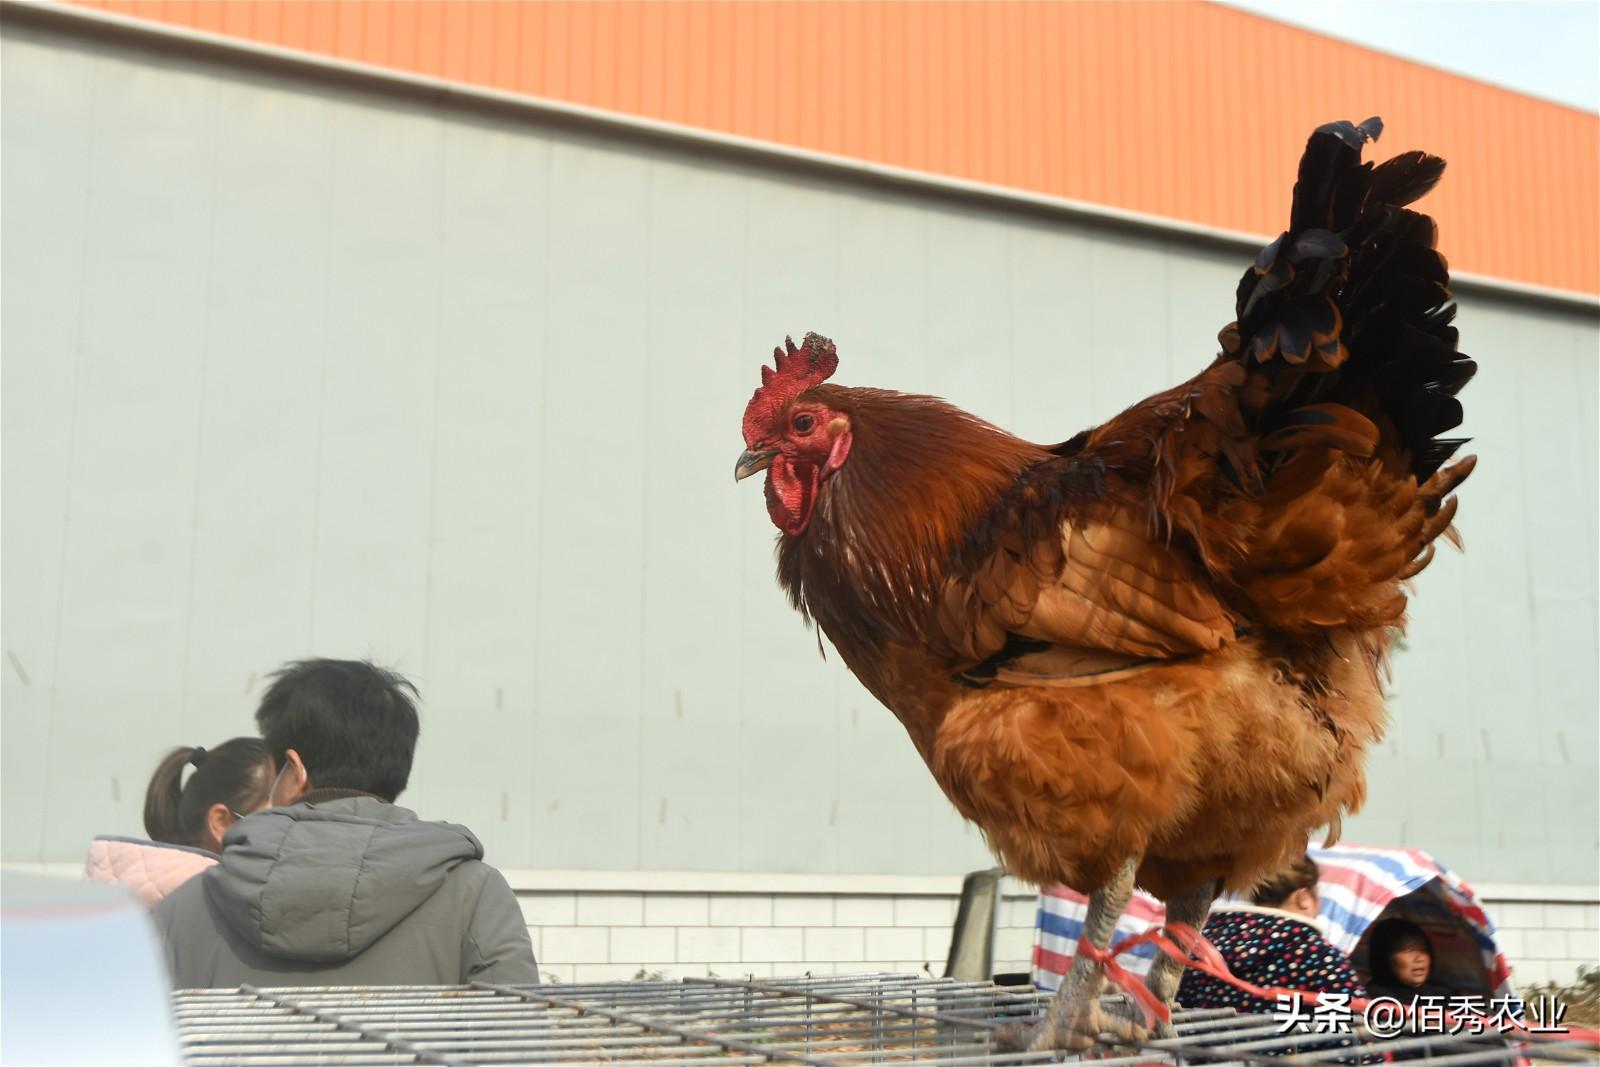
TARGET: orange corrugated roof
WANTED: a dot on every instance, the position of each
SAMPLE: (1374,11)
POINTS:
(1187,110)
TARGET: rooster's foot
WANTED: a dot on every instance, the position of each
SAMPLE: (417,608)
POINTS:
(1083,1023)
(1132,1013)
(1015,1037)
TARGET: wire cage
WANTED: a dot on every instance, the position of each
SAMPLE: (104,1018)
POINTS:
(832,1020)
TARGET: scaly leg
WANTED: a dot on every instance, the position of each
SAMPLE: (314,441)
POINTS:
(1075,1020)
(1192,908)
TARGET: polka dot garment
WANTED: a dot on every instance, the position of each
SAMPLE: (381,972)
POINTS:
(1268,948)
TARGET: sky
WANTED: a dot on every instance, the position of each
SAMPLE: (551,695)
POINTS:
(1548,48)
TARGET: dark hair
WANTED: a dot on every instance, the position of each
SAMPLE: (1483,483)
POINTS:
(1299,874)
(353,724)
(237,773)
(1387,937)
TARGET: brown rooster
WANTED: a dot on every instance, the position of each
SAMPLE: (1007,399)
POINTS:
(1150,654)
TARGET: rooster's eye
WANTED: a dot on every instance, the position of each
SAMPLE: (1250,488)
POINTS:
(803,423)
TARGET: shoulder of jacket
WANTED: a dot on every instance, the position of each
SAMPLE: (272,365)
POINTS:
(468,877)
(172,907)
(484,887)
(1241,912)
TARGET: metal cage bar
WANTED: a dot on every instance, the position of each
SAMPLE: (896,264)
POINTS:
(822,1021)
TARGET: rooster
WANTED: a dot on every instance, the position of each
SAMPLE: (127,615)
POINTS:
(1151,654)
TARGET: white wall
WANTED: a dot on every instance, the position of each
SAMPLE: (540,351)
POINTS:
(597,937)
(294,368)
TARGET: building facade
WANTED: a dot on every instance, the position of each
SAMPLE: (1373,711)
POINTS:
(302,359)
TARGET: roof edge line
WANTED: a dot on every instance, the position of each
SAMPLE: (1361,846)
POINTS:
(66,15)
(1400,57)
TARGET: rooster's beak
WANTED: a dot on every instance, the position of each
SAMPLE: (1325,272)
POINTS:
(751,462)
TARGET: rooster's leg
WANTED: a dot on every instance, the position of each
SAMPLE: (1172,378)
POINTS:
(1075,1019)
(1192,908)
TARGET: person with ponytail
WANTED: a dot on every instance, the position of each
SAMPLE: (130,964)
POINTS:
(1274,940)
(195,795)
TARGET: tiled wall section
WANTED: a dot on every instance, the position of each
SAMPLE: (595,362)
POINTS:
(1547,942)
(590,936)
(595,936)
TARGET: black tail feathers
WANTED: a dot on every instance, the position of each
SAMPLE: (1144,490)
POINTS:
(1352,303)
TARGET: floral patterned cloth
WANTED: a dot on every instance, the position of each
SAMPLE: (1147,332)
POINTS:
(1268,947)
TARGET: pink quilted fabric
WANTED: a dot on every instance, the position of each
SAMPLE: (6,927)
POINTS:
(149,868)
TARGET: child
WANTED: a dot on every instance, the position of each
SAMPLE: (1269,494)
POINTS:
(185,820)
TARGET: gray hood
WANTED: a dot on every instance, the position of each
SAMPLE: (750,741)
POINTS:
(320,881)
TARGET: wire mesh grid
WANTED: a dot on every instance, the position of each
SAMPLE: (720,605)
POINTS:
(835,1020)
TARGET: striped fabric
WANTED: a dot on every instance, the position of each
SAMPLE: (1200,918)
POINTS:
(1356,885)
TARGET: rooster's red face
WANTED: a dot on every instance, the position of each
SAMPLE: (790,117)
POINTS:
(797,440)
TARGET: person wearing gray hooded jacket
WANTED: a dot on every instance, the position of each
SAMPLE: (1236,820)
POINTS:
(337,885)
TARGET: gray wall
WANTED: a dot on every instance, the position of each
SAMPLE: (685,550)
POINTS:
(292,368)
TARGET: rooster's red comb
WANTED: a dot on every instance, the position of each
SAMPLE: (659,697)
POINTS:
(793,372)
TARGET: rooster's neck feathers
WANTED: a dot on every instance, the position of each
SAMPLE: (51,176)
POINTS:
(922,475)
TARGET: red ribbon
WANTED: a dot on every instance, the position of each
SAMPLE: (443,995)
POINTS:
(1129,983)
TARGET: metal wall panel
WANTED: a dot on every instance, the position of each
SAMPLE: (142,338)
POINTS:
(1175,109)
(297,369)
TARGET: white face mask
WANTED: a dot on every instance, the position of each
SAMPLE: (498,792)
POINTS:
(288,787)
